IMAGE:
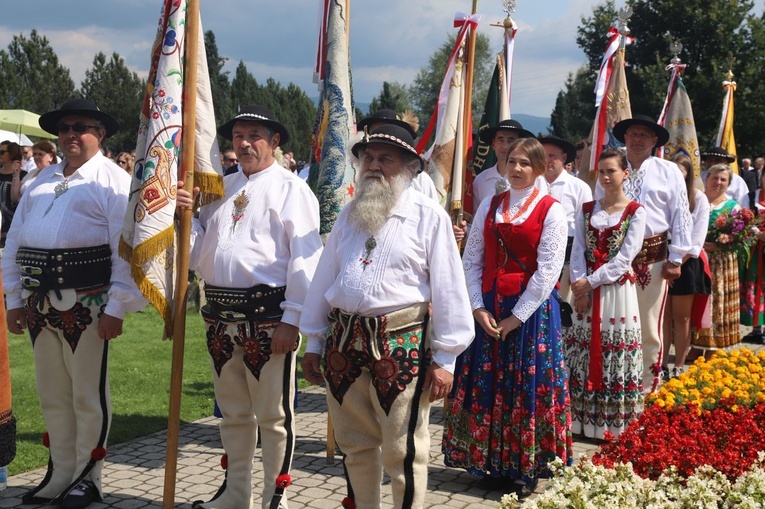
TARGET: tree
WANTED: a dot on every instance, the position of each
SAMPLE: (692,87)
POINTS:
(711,31)
(393,96)
(574,110)
(424,91)
(219,82)
(117,91)
(31,77)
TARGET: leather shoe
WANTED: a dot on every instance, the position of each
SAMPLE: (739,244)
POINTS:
(753,337)
(525,489)
(81,496)
(29,498)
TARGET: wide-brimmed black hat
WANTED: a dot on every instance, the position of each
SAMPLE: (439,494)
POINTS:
(385,116)
(257,114)
(567,147)
(84,107)
(389,134)
(718,152)
(487,134)
(621,128)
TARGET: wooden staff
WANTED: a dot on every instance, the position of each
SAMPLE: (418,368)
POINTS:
(182,262)
(467,121)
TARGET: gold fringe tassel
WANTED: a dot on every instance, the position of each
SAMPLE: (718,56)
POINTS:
(140,255)
(210,186)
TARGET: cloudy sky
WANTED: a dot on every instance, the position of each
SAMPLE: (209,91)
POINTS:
(390,39)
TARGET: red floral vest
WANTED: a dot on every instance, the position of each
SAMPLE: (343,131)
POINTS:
(522,239)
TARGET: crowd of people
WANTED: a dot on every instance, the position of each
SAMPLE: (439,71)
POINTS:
(555,321)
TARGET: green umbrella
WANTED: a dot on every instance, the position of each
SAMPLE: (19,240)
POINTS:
(22,122)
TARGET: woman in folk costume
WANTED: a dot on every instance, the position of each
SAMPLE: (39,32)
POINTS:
(604,352)
(688,294)
(753,284)
(508,414)
(723,264)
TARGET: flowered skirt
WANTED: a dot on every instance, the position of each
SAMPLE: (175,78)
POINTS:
(725,330)
(508,414)
(753,289)
(620,401)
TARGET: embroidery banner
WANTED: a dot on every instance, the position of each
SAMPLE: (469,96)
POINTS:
(332,176)
(148,232)
(440,158)
(725,138)
(677,119)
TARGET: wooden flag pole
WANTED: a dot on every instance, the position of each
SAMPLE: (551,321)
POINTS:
(467,110)
(182,262)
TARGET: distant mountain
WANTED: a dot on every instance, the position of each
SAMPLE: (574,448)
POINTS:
(537,125)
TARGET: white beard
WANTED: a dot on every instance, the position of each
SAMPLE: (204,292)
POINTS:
(375,198)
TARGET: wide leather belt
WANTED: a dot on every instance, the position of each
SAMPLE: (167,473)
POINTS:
(654,250)
(60,269)
(242,304)
(395,320)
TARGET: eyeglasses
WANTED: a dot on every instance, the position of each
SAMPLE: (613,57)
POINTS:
(77,127)
(121,162)
(230,160)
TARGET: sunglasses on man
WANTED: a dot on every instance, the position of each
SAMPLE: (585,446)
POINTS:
(77,127)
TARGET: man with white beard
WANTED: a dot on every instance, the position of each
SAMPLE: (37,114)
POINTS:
(390,253)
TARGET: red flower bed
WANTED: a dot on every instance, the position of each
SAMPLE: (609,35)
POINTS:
(686,438)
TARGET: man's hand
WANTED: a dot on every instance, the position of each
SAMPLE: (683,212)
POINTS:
(284,339)
(459,231)
(109,327)
(670,271)
(311,364)
(183,198)
(16,320)
(439,381)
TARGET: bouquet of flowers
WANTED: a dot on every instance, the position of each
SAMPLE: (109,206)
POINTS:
(735,231)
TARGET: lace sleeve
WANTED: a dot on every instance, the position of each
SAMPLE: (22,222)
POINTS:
(473,257)
(550,256)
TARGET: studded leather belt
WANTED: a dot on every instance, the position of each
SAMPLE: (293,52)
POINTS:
(240,304)
(654,250)
(59,269)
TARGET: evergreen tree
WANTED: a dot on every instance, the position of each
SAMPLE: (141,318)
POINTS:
(219,82)
(118,91)
(716,35)
(393,96)
(31,77)
(424,91)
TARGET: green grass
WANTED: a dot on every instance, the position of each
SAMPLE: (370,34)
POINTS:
(140,385)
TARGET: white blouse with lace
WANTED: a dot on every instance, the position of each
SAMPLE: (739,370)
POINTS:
(620,264)
(550,253)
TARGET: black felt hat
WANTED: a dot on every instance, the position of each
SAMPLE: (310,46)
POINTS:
(621,128)
(83,107)
(718,152)
(567,147)
(389,134)
(385,116)
(257,114)
(487,134)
